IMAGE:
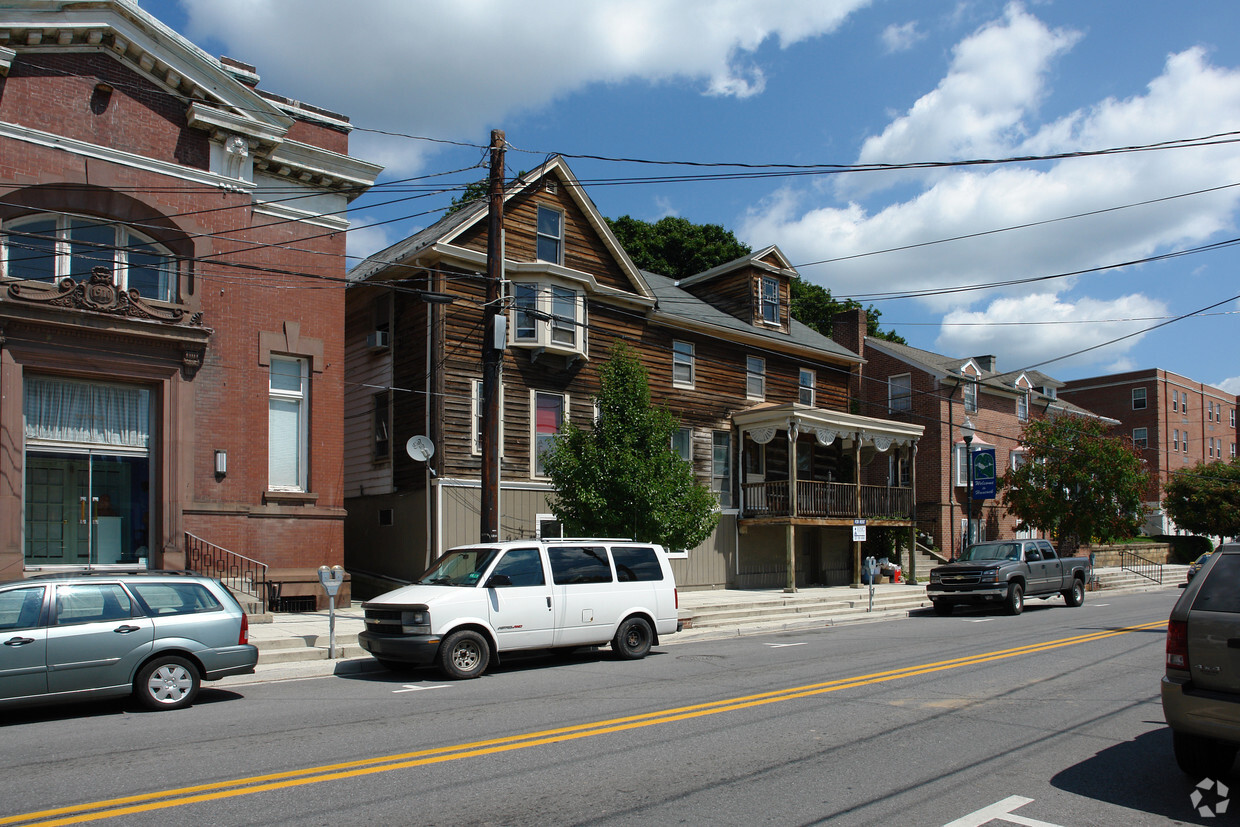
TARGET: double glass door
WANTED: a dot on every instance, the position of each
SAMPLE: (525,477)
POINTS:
(86,508)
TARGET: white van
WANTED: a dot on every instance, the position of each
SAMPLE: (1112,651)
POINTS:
(482,600)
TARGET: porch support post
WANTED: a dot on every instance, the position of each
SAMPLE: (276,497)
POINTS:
(791,535)
(857,507)
(912,531)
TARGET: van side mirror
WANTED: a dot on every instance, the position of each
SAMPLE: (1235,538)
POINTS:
(498,580)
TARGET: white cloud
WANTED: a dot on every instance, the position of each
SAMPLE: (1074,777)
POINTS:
(1231,385)
(366,238)
(986,107)
(429,68)
(996,78)
(1003,328)
(900,37)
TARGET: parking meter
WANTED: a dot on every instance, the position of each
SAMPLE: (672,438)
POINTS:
(331,578)
(871,568)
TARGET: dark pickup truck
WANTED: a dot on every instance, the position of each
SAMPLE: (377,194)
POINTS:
(1006,572)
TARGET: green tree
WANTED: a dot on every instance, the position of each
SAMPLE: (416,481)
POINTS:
(1078,482)
(676,247)
(1205,499)
(620,477)
(814,307)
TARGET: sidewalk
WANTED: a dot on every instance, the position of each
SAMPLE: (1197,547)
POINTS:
(294,645)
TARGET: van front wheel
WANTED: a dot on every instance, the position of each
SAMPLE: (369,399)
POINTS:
(633,639)
(464,654)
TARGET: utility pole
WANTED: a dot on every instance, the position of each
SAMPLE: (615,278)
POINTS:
(492,346)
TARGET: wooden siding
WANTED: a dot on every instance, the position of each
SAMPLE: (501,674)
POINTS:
(368,370)
(584,249)
(739,294)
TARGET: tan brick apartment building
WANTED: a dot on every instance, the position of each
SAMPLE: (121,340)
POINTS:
(1176,421)
(163,371)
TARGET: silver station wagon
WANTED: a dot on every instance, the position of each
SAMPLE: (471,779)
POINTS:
(158,635)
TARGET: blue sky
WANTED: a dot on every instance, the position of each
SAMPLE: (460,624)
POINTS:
(830,82)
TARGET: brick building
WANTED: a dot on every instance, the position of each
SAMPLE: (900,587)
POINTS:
(1176,421)
(163,375)
(939,393)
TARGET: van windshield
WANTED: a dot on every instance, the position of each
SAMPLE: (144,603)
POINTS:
(462,567)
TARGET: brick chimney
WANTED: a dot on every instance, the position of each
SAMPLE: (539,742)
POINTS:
(848,329)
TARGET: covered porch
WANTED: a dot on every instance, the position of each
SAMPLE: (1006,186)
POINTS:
(817,472)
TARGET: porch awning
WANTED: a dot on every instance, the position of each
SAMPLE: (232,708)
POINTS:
(762,422)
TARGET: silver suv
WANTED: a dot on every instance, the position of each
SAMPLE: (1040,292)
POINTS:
(156,634)
(1201,689)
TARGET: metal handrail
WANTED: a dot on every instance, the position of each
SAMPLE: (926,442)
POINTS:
(236,570)
(1141,566)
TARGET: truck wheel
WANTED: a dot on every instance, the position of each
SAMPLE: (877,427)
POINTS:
(1015,603)
(1075,596)
(942,608)
(1202,758)
(464,654)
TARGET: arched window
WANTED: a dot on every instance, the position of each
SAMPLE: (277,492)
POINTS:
(51,246)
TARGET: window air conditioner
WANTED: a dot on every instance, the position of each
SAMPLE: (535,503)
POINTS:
(378,340)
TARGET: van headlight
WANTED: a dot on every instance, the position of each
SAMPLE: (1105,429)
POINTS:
(415,622)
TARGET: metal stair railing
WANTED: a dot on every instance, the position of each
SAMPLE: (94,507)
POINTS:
(1141,566)
(238,572)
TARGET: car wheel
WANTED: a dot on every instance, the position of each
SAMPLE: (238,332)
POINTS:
(1015,599)
(1075,596)
(942,608)
(1202,758)
(633,639)
(464,654)
(167,682)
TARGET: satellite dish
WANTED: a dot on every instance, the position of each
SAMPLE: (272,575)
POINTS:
(420,448)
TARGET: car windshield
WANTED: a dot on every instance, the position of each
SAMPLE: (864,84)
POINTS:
(462,567)
(992,551)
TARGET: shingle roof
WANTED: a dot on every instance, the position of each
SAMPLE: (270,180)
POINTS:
(674,301)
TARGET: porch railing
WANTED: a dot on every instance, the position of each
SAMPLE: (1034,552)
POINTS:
(247,578)
(825,499)
(1141,566)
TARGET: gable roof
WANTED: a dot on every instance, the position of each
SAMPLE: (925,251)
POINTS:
(678,307)
(762,260)
(449,228)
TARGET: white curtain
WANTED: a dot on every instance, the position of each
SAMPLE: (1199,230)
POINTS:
(85,412)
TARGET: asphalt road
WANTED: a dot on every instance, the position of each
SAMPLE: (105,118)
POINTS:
(1051,718)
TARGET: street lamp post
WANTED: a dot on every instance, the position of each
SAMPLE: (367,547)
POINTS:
(966,433)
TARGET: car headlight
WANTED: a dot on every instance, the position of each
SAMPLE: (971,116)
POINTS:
(990,576)
(936,577)
(416,622)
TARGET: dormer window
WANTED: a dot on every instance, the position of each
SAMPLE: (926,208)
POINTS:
(770,300)
(50,247)
(550,244)
(549,317)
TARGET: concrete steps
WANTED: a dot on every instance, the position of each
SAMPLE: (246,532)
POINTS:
(800,612)
(307,647)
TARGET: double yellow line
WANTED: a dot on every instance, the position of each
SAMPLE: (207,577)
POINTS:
(147,802)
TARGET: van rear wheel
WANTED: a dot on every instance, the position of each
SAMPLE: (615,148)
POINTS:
(633,639)
(464,654)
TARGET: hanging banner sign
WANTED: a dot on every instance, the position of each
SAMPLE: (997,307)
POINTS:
(983,460)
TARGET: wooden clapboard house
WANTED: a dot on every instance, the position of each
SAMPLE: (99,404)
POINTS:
(752,388)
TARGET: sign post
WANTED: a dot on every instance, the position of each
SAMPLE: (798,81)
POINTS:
(331,578)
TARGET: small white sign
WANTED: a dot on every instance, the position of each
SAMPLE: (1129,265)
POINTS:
(859,533)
